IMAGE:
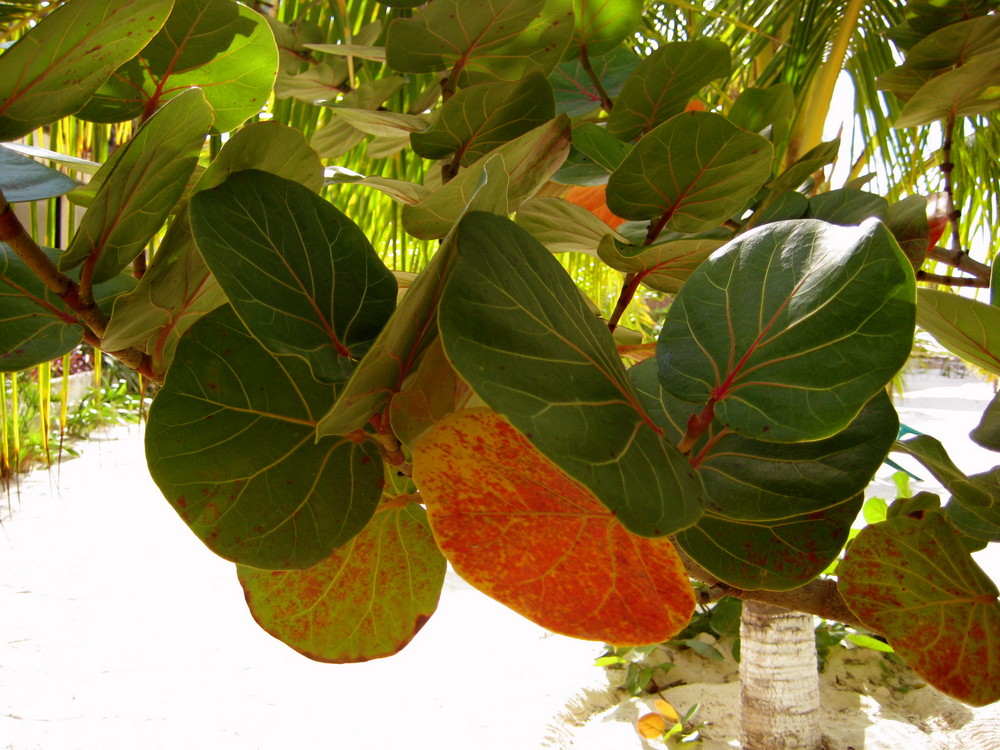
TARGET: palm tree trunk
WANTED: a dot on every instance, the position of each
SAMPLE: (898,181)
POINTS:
(779,681)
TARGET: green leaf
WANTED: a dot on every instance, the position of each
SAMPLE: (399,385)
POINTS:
(321,82)
(480,42)
(847,206)
(35,325)
(518,331)
(814,160)
(664,266)
(956,43)
(662,83)
(911,580)
(754,331)
(907,220)
(367,600)
(290,264)
(904,81)
(601,25)
(178,288)
(754,480)
(378,123)
(23,179)
(575,92)
(141,187)
(602,147)
(776,555)
(987,432)
(563,227)
(693,171)
(528,161)
(59,63)
(963,326)
(972,89)
(231,442)
(758,109)
(480,118)
(237,80)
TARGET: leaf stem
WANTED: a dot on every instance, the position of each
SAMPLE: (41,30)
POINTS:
(606,104)
(947,167)
(697,426)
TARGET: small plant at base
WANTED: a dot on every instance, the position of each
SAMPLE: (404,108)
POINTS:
(666,724)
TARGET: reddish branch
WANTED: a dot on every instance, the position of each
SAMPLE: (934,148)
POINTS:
(87,313)
(606,103)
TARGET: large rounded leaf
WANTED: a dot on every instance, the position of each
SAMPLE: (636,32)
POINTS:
(963,326)
(367,600)
(231,442)
(692,172)
(299,273)
(519,530)
(24,179)
(520,333)
(786,332)
(911,579)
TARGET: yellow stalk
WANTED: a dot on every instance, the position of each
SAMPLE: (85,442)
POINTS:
(4,433)
(15,422)
(64,395)
(97,370)
(808,132)
(44,402)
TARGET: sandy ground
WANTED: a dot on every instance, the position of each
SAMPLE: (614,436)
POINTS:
(120,630)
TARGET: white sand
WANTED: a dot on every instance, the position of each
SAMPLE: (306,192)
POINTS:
(120,630)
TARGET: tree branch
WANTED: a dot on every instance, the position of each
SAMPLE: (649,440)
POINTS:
(606,103)
(960,259)
(819,597)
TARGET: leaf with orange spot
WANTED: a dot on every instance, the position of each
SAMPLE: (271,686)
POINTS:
(523,532)
(912,580)
(367,600)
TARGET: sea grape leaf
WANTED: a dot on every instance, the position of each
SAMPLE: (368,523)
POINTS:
(662,83)
(365,601)
(290,264)
(956,43)
(292,38)
(575,92)
(810,163)
(754,480)
(562,226)
(231,443)
(963,326)
(35,325)
(787,331)
(23,179)
(237,80)
(904,81)
(141,187)
(396,351)
(695,171)
(380,124)
(598,144)
(777,554)
(907,220)
(847,206)
(320,82)
(518,331)
(978,530)
(432,393)
(910,579)
(480,118)
(664,266)
(966,90)
(54,68)
(178,288)
(987,432)
(757,109)
(480,42)
(781,206)
(73,162)
(601,25)
(521,531)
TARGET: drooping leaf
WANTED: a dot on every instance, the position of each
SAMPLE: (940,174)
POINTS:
(664,266)
(755,329)
(231,443)
(911,580)
(519,530)
(956,43)
(847,206)
(35,325)
(518,331)
(601,25)
(480,118)
(178,288)
(777,554)
(58,64)
(485,41)
(141,187)
(695,170)
(561,226)
(24,179)
(963,326)
(811,162)
(365,601)
(300,274)
(381,124)
(574,89)
(967,90)
(662,83)
(222,46)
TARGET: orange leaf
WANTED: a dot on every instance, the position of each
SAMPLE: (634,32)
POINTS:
(651,726)
(518,529)
(636,353)
(592,198)
(937,218)
(695,105)
(666,710)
